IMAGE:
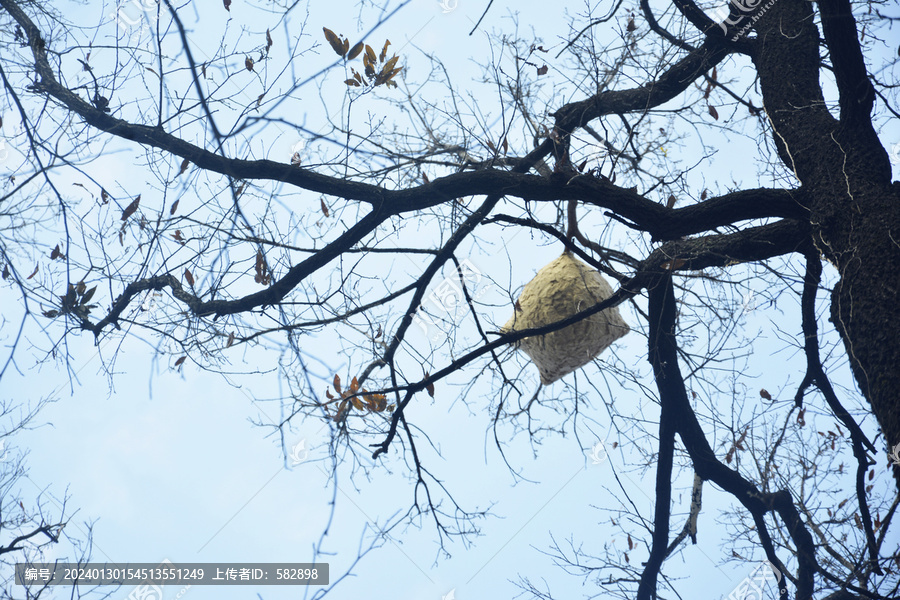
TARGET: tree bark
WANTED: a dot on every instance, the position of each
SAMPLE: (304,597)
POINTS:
(846,177)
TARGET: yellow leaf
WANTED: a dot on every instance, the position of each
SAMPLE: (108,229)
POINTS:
(389,64)
(357,404)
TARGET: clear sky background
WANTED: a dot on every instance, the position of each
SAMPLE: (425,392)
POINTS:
(173,464)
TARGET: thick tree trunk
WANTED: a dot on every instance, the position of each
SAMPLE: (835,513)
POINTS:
(854,210)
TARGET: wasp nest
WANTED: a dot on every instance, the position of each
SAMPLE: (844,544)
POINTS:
(561,289)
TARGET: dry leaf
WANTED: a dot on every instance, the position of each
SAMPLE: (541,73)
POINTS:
(189,277)
(671,201)
(384,50)
(336,383)
(324,208)
(543,70)
(174,207)
(355,50)
(631,26)
(248,62)
(763,393)
(184,166)
(180,361)
(713,112)
(268,40)
(227,4)
(129,210)
(334,40)
(230,340)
